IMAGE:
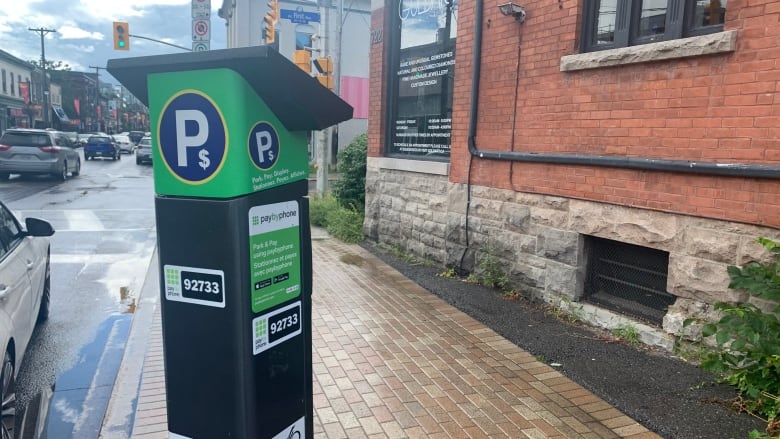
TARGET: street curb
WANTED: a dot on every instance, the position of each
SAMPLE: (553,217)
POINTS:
(120,415)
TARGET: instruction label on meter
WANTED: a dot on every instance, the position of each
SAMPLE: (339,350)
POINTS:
(275,254)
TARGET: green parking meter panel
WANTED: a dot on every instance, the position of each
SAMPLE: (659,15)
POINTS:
(228,122)
(229,134)
(219,141)
(275,254)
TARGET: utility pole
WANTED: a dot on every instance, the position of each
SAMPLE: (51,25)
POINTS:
(97,92)
(46,109)
(323,143)
(337,80)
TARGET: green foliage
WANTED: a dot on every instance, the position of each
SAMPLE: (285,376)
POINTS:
(748,338)
(628,333)
(449,273)
(346,224)
(755,434)
(320,207)
(350,189)
(490,271)
(760,280)
(51,66)
(512,294)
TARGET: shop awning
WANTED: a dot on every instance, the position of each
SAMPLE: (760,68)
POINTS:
(60,113)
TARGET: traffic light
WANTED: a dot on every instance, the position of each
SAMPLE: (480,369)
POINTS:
(271,18)
(121,36)
(325,68)
(302,59)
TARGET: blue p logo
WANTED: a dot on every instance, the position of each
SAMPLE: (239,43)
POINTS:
(193,137)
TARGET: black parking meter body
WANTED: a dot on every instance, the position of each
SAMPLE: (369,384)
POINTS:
(229,134)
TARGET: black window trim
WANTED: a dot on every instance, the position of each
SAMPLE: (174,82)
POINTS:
(679,24)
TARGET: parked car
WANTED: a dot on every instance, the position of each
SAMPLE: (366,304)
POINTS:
(136,136)
(33,151)
(143,152)
(101,145)
(125,144)
(25,294)
(73,137)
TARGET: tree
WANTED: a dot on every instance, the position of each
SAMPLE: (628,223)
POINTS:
(52,66)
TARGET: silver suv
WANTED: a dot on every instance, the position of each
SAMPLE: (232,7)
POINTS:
(30,151)
(143,152)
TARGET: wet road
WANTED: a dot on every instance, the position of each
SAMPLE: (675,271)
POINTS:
(105,236)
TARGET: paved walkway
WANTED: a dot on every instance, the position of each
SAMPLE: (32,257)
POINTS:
(392,360)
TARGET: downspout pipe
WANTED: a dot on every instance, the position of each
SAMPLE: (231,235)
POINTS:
(682,166)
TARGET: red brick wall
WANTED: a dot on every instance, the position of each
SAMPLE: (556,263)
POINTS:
(377,93)
(720,108)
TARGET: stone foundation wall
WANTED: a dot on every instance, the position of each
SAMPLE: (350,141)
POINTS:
(541,239)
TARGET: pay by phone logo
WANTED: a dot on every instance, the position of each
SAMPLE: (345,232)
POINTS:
(274,217)
(193,137)
(264,145)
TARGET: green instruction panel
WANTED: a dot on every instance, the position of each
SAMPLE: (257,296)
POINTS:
(275,254)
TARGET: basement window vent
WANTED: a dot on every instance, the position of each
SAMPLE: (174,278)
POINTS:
(627,278)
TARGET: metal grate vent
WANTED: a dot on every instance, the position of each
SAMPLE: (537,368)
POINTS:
(628,279)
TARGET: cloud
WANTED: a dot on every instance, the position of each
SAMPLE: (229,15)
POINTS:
(84,29)
(75,33)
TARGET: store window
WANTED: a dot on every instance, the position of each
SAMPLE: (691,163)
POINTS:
(610,24)
(423,60)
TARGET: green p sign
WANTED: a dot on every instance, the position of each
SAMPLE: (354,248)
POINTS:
(216,138)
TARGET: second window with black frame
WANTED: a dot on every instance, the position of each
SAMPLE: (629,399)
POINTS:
(609,24)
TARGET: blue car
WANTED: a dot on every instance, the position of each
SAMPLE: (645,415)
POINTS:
(101,146)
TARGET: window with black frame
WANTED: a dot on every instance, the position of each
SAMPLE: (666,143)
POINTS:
(421,119)
(609,24)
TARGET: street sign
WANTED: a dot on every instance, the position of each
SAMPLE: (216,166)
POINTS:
(201,8)
(200,46)
(201,30)
(299,16)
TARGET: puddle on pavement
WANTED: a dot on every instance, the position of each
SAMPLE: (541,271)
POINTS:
(352,259)
(127,302)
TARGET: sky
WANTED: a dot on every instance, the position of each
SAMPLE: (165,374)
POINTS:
(84,34)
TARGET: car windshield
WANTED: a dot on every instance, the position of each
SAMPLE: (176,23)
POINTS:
(121,138)
(99,139)
(145,142)
(25,139)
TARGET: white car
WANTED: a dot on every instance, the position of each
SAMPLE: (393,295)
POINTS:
(124,143)
(25,293)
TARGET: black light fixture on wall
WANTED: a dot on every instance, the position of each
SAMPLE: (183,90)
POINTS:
(514,10)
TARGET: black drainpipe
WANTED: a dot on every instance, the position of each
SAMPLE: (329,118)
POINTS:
(681,166)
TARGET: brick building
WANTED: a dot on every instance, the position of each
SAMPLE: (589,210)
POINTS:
(616,154)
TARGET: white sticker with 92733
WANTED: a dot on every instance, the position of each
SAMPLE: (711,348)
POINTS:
(275,327)
(200,286)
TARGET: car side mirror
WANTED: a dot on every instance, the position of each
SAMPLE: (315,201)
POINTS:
(38,227)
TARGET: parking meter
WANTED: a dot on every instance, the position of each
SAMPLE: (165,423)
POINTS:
(230,155)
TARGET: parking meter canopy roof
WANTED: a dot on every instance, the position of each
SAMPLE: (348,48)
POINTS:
(297,99)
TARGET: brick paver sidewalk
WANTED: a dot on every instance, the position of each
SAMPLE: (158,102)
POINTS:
(391,360)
